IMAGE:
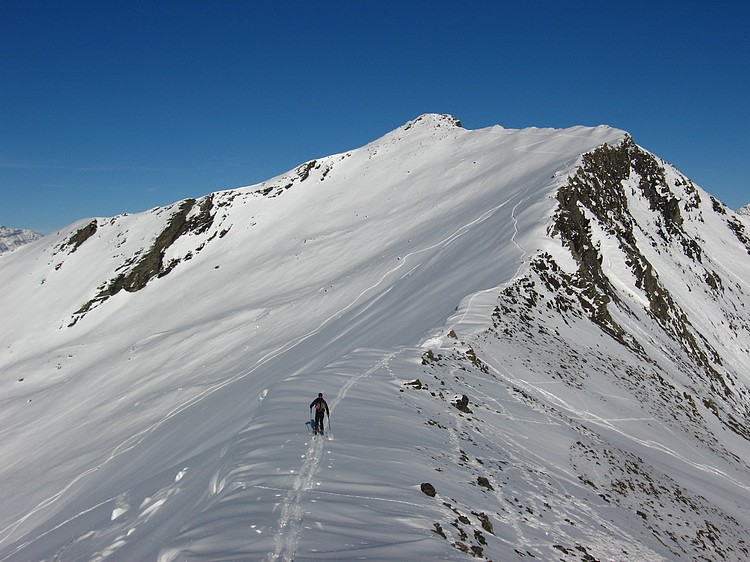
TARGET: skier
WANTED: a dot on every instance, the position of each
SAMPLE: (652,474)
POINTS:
(321,409)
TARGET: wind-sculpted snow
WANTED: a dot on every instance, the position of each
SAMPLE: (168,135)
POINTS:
(532,343)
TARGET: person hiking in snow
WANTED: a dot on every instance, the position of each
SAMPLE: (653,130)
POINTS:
(321,408)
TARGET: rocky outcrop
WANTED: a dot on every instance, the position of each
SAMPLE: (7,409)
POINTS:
(599,192)
(190,217)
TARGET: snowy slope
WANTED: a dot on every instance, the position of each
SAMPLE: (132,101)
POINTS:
(157,368)
(12,238)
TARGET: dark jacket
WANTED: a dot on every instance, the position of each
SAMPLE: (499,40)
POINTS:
(323,403)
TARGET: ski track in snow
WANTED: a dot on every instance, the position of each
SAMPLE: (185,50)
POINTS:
(524,253)
(289,525)
(588,416)
(520,454)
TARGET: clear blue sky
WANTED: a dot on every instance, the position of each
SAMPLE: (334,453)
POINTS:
(112,106)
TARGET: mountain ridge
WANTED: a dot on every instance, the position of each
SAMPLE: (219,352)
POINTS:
(12,238)
(532,342)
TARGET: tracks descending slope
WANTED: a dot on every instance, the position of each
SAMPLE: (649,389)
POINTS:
(289,525)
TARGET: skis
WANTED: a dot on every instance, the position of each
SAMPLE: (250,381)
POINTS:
(312,428)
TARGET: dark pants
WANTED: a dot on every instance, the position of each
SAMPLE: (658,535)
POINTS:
(319,414)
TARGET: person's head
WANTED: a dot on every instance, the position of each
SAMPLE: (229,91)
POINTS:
(320,395)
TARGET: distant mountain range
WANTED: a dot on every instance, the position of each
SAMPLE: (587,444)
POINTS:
(534,345)
(12,238)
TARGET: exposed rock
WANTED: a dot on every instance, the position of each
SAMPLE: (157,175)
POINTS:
(485,483)
(462,404)
(151,264)
(428,489)
(597,190)
(81,235)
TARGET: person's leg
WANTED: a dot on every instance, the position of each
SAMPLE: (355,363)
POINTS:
(318,422)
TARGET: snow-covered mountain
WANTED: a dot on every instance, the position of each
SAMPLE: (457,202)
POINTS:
(12,238)
(534,344)
(744,211)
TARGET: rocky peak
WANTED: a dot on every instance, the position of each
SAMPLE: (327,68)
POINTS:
(433,120)
(12,238)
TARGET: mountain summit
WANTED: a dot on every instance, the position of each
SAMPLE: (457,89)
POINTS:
(533,344)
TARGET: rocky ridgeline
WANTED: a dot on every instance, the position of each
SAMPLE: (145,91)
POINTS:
(12,238)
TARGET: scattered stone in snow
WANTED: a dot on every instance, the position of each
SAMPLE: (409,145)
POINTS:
(462,404)
(428,489)
(485,483)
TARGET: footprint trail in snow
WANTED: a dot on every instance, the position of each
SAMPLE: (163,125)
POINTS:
(289,526)
(290,522)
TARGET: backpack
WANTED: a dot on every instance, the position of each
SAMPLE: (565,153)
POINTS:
(320,405)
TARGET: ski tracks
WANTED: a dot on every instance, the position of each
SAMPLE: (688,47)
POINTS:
(289,526)
(524,254)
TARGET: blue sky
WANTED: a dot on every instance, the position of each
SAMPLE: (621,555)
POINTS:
(119,106)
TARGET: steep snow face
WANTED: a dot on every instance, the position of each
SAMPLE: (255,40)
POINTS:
(501,321)
(745,211)
(12,238)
